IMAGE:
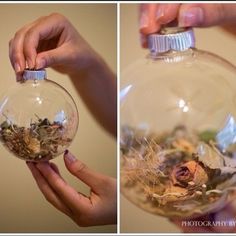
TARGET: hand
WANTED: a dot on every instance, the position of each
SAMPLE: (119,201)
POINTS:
(153,16)
(50,41)
(97,209)
(223,221)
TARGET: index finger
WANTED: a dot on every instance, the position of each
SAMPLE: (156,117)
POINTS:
(16,53)
(153,16)
(70,196)
(46,28)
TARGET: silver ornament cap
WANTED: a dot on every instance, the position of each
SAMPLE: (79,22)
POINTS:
(171,38)
(34,74)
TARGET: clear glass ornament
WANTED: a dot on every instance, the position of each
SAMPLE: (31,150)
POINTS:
(38,118)
(178,130)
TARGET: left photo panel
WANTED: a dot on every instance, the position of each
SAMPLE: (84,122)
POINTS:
(58,118)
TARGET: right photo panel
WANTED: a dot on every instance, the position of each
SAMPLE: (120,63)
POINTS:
(177,118)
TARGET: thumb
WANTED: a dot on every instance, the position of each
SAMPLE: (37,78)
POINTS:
(204,15)
(93,179)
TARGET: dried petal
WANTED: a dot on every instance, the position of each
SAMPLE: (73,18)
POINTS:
(41,139)
(184,145)
(34,145)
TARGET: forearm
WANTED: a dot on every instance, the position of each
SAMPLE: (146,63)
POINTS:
(97,87)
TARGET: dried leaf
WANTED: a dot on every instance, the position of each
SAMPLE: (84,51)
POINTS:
(39,141)
(209,157)
(213,159)
(175,173)
(207,136)
(227,183)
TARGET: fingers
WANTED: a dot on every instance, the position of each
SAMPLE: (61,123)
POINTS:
(55,168)
(23,47)
(69,196)
(152,16)
(98,182)
(204,15)
(47,191)
(50,58)
(201,15)
(46,28)
(95,210)
(147,18)
(16,50)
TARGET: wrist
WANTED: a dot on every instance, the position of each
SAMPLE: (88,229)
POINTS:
(87,65)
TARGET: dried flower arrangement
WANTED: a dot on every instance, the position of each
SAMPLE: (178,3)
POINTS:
(40,141)
(176,174)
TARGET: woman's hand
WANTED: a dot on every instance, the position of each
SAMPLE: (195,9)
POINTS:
(153,16)
(50,41)
(97,209)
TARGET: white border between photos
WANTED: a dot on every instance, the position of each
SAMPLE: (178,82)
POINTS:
(118,117)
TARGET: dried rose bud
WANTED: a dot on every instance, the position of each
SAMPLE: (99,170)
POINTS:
(189,172)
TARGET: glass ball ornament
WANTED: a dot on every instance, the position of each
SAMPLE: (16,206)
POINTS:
(178,130)
(38,118)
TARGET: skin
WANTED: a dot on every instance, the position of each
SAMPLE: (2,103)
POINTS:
(151,18)
(97,209)
(52,41)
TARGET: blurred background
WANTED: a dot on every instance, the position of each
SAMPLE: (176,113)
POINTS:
(22,206)
(215,39)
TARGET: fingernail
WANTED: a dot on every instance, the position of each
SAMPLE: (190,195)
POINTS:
(40,63)
(191,17)
(17,67)
(160,12)
(143,23)
(69,157)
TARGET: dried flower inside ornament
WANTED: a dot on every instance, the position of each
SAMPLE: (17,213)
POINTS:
(40,141)
(38,117)
(176,174)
